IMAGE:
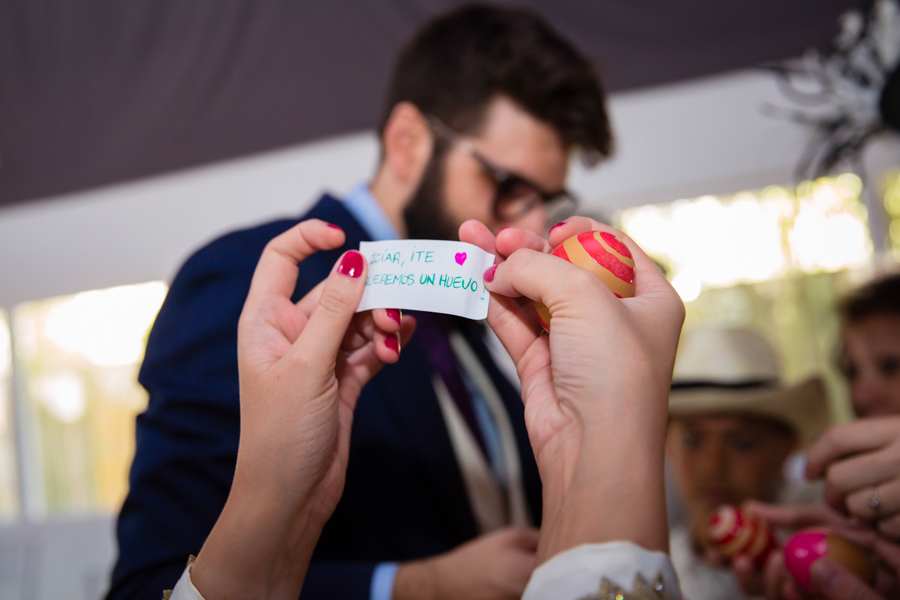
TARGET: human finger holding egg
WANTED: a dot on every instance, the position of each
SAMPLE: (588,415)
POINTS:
(595,339)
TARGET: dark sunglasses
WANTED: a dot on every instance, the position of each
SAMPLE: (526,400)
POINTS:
(516,196)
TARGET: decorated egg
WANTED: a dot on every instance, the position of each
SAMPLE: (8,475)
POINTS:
(805,548)
(735,532)
(604,255)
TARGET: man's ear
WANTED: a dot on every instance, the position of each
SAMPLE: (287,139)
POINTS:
(407,143)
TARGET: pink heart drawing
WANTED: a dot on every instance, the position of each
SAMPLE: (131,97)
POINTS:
(460,258)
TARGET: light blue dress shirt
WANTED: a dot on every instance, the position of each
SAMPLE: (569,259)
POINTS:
(365,209)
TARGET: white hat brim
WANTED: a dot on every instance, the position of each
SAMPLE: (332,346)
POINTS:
(804,406)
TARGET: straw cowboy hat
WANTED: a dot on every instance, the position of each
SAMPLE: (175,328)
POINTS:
(720,370)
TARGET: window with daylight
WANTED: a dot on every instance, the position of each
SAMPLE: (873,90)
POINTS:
(775,260)
(892,206)
(9,498)
(77,359)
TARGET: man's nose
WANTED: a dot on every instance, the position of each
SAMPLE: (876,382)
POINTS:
(534,220)
(714,462)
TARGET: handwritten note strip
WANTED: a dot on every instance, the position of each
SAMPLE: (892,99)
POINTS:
(429,275)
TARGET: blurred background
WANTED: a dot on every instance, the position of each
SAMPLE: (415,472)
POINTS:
(752,162)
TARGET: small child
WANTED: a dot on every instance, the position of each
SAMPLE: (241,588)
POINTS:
(732,427)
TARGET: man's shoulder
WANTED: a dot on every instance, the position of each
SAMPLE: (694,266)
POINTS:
(241,247)
(197,323)
(240,250)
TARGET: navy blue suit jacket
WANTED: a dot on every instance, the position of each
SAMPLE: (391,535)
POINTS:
(404,496)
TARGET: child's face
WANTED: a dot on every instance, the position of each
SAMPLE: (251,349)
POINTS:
(871,362)
(725,459)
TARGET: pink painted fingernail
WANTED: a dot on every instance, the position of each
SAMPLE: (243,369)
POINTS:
(501,229)
(352,264)
(557,225)
(393,343)
(395,314)
(334,227)
(489,274)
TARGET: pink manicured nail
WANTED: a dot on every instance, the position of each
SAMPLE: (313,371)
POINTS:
(489,274)
(395,314)
(557,225)
(393,343)
(352,264)
(334,227)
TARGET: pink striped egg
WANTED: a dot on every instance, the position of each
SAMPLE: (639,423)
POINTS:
(604,255)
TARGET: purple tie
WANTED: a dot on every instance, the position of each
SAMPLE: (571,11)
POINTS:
(433,332)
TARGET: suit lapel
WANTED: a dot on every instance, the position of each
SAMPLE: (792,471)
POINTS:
(408,392)
(512,402)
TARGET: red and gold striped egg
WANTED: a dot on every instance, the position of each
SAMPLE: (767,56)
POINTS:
(604,255)
(735,532)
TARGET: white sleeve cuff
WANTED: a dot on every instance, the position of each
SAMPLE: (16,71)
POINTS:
(184,589)
(577,573)
(383,577)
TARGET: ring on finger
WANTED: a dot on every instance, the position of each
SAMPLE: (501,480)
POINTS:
(874,501)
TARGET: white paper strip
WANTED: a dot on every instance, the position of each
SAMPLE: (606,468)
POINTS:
(430,275)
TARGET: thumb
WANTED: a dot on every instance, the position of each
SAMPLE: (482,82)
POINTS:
(526,538)
(331,317)
(835,582)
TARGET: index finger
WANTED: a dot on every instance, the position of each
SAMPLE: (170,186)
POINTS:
(507,240)
(796,516)
(512,238)
(276,272)
(548,279)
(845,439)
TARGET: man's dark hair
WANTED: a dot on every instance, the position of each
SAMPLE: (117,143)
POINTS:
(459,62)
(878,298)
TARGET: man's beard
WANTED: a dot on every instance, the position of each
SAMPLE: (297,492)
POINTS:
(425,216)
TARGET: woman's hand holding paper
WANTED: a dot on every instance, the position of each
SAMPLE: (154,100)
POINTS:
(302,368)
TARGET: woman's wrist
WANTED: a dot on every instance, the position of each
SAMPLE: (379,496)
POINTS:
(618,474)
(260,547)
(623,510)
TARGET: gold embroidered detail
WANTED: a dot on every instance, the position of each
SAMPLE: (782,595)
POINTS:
(643,590)
(168,593)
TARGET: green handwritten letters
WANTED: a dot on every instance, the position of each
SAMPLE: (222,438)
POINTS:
(429,275)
